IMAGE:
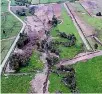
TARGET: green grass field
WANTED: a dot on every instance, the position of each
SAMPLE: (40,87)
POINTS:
(10,25)
(34,64)
(16,84)
(68,27)
(56,84)
(89,75)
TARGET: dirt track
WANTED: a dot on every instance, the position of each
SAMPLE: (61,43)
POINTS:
(81,57)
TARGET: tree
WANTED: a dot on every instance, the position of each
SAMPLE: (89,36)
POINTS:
(23,40)
(99,14)
(21,12)
(32,10)
(21,2)
(52,61)
(96,46)
(4,32)
(14,62)
(54,21)
(17,61)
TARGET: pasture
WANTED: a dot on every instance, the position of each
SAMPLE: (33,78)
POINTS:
(10,27)
(89,75)
(16,83)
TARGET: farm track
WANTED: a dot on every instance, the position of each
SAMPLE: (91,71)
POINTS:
(80,31)
(84,56)
(8,38)
(14,44)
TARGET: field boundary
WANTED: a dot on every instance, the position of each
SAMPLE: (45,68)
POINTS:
(14,43)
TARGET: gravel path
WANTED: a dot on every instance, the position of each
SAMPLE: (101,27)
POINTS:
(38,82)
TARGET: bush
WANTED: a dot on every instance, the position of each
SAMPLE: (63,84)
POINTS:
(21,2)
(17,61)
(23,40)
(52,61)
(21,12)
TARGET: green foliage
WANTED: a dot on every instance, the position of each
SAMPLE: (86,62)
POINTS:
(89,75)
(23,40)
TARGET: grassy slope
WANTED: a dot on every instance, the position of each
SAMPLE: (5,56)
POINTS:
(89,75)
(16,84)
(68,27)
(56,84)
(34,64)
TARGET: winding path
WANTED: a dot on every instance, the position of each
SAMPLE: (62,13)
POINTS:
(80,57)
(14,44)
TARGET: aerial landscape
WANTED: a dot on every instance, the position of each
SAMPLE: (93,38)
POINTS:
(51,46)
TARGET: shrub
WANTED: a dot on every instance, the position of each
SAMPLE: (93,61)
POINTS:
(17,61)
(23,40)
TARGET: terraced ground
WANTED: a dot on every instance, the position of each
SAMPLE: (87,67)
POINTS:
(89,75)
(10,27)
(68,27)
(96,23)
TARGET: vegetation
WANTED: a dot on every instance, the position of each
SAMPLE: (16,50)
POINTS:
(54,1)
(5,46)
(21,2)
(89,75)
(34,64)
(9,24)
(17,61)
(10,27)
(21,12)
(16,84)
(56,85)
(23,40)
(67,31)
